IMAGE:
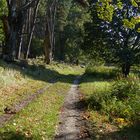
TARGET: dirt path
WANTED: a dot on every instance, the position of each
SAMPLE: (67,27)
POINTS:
(71,121)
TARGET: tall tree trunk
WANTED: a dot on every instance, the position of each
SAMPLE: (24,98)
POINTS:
(32,28)
(62,46)
(13,25)
(49,40)
(126,69)
(47,46)
(21,42)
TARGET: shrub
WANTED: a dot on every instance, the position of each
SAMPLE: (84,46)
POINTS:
(100,95)
(121,100)
(124,88)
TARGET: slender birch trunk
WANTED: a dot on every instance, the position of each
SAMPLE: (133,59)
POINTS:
(32,29)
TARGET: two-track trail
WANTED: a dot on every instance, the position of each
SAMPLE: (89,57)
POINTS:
(22,104)
(72,125)
(71,121)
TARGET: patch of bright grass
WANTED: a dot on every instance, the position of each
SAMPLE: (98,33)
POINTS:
(38,120)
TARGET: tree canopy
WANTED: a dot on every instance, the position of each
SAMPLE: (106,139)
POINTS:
(108,30)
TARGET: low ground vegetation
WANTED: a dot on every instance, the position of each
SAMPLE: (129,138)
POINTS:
(39,119)
(113,101)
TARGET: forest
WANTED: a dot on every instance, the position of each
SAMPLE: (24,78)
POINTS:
(70,69)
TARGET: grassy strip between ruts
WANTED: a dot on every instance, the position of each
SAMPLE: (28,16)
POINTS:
(113,104)
(38,120)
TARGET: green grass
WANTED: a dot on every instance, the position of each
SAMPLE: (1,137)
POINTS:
(102,72)
(17,83)
(113,103)
(38,120)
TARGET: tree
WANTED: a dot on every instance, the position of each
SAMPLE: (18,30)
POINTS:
(118,26)
(61,22)
(49,41)
(13,26)
(32,28)
(74,32)
(71,17)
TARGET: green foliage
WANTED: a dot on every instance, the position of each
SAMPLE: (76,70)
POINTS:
(132,23)
(113,32)
(128,24)
(112,95)
(1,33)
(99,99)
(70,30)
(3,7)
(62,13)
(119,4)
(135,3)
(127,95)
(101,71)
(124,88)
(3,11)
(120,100)
(105,10)
(74,32)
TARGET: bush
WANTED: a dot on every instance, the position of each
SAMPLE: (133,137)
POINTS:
(124,88)
(97,100)
(121,100)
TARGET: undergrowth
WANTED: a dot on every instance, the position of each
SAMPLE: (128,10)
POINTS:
(113,96)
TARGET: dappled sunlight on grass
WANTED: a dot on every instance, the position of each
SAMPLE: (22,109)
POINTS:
(90,84)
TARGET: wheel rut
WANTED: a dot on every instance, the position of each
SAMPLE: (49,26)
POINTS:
(4,118)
